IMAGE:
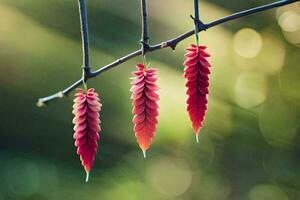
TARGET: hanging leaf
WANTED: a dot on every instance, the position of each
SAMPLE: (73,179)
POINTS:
(145,105)
(196,72)
(86,109)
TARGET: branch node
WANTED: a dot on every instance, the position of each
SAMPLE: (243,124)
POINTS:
(40,103)
(60,94)
(173,46)
(145,44)
(145,47)
(87,73)
(163,45)
(119,61)
(200,25)
(193,18)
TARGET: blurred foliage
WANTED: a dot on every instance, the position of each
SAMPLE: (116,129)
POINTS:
(249,145)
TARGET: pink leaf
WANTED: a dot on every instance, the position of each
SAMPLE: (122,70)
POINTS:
(86,110)
(196,72)
(145,105)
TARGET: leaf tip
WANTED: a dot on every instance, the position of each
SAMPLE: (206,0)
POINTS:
(144,153)
(87,176)
(197,138)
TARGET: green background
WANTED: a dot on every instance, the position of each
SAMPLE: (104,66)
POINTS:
(249,145)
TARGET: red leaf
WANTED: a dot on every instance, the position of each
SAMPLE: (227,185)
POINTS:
(196,72)
(86,110)
(145,105)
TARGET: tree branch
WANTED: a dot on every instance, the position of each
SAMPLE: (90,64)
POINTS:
(169,43)
(145,34)
(87,73)
(196,20)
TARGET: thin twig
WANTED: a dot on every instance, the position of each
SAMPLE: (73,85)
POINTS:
(196,19)
(169,43)
(85,40)
(145,34)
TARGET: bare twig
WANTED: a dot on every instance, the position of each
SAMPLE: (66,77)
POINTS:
(169,43)
(87,73)
(196,20)
(145,34)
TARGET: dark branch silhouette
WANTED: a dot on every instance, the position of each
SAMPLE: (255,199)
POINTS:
(85,40)
(172,43)
(145,34)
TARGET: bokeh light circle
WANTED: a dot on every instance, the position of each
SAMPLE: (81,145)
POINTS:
(22,177)
(277,124)
(169,176)
(267,191)
(272,56)
(250,89)
(289,21)
(247,43)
